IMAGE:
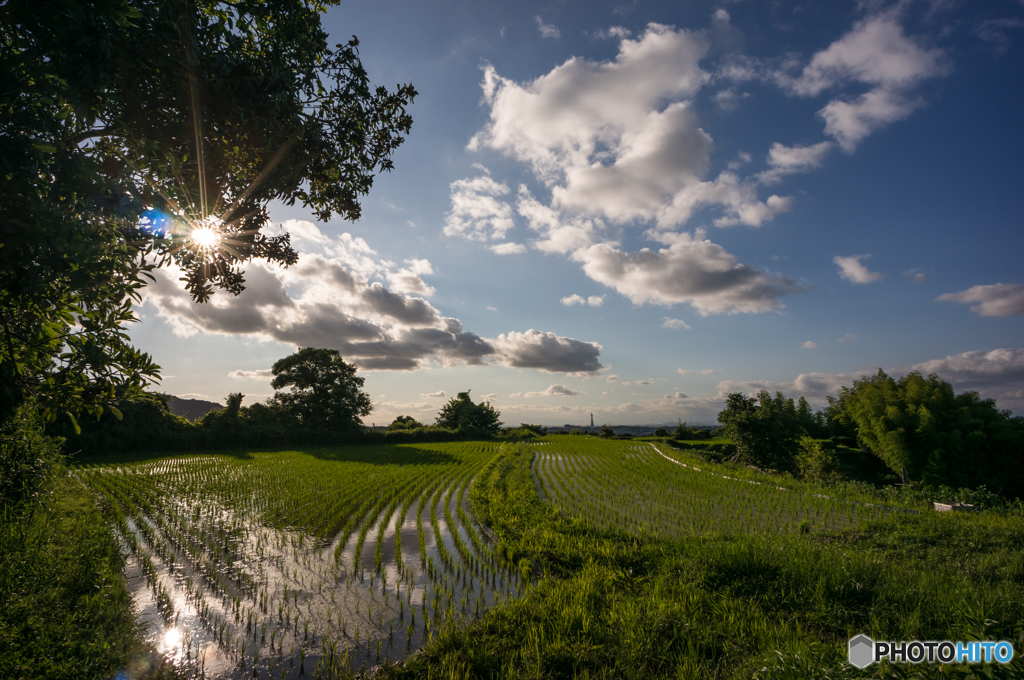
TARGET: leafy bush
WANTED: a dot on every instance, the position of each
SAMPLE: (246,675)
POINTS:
(28,457)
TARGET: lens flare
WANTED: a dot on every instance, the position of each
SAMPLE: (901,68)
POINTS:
(156,222)
(205,237)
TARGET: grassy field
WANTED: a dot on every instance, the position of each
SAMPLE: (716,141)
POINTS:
(568,557)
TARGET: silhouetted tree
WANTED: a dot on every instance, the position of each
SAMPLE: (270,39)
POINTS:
(460,413)
(324,390)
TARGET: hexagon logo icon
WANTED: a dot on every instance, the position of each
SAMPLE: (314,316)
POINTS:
(861,651)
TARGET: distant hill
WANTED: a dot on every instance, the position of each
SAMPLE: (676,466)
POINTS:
(193,409)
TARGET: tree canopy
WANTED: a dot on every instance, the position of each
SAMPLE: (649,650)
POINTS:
(147,133)
(324,390)
(919,427)
(764,429)
(460,413)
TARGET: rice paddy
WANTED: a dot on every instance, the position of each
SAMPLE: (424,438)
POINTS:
(320,562)
(631,486)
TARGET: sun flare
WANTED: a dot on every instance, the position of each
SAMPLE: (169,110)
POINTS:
(205,237)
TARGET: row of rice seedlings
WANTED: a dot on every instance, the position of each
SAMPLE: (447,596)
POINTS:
(631,487)
(265,589)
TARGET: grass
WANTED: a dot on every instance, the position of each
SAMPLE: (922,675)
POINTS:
(609,603)
(65,610)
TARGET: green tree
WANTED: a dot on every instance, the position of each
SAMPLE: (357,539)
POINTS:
(404,423)
(607,430)
(921,429)
(764,429)
(137,133)
(460,413)
(324,390)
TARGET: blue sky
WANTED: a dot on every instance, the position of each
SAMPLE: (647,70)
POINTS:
(632,209)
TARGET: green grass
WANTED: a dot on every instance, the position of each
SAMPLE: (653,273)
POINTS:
(65,611)
(614,604)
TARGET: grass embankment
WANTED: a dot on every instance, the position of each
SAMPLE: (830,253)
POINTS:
(613,605)
(65,611)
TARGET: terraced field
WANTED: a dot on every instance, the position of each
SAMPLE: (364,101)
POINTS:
(278,565)
(631,486)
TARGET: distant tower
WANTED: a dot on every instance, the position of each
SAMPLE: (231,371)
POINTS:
(591,419)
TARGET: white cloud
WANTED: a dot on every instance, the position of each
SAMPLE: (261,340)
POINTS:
(809,345)
(787,160)
(546,351)
(261,374)
(508,248)
(303,230)
(1000,299)
(848,337)
(706,371)
(611,378)
(876,53)
(478,213)
(433,395)
(547,30)
(492,309)
(327,302)
(851,269)
(593,300)
(490,397)
(915,275)
(690,270)
(614,32)
(729,99)
(554,391)
(674,323)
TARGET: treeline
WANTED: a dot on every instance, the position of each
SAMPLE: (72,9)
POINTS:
(914,430)
(149,425)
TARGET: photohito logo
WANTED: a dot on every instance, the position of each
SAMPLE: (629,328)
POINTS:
(864,651)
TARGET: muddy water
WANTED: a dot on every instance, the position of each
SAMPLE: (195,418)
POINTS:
(278,605)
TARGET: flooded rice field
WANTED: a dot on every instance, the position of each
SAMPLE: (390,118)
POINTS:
(302,564)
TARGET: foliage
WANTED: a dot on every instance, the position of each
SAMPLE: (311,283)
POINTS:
(817,461)
(460,413)
(684,431)
(28,458)
(764,429)
(127,125)
(661,432)
(404,423)
(324,389)
(921,428)
(607,430)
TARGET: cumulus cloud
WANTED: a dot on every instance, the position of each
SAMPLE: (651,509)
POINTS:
(614,32)
(809,345)
(508,248)
(690,270)
(593,300)
(617,143)
(611,378)
(851,269)
(1000,299)
(328,301)
(261,374)
(478,212)
(876,53)
(554,391)
(674,323)
(546,351)
(433,395)
(786,160)
(848,337)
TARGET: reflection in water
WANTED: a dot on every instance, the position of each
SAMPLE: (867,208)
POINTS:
(239,599)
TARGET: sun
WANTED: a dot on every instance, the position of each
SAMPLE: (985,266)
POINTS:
(205,237)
